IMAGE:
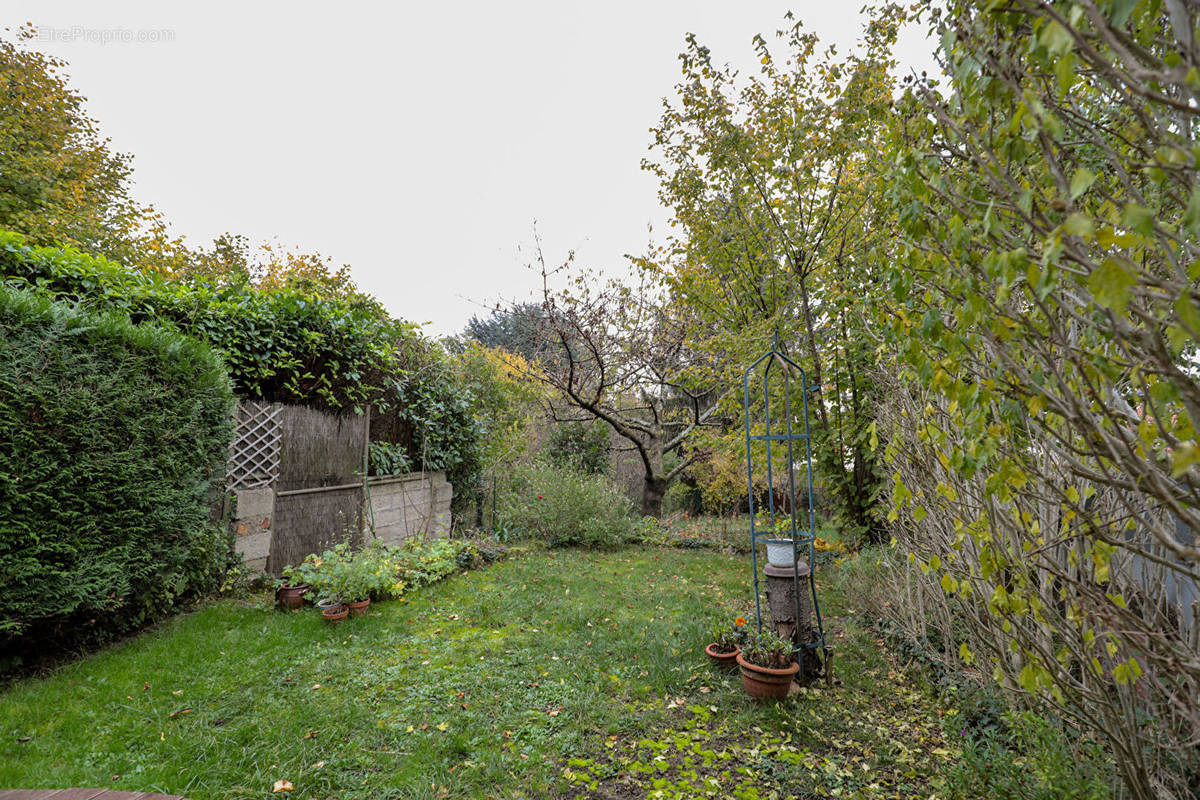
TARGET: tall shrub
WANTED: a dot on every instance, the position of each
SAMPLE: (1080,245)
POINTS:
(332,351)
(283,345)
(565,507)
(1046,314)
(110,437)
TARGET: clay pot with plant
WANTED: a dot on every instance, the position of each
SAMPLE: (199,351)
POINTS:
(335,612)
(726,642)
(767,665)
(290,591)
(347,579)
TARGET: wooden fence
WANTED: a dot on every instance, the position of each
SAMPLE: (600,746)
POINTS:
(297,479)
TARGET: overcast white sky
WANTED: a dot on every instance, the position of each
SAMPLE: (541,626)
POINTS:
(415,142)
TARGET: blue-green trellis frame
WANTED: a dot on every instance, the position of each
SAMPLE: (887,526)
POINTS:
(786,436)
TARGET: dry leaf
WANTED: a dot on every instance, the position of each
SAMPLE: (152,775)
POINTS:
(281,786)
(310,734)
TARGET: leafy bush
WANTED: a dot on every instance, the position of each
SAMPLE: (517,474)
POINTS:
(580,446)
(110,437)
(389,458)
(286,344)
(379,571)
(422,562)
(684,497)
(341,574)
(282,345)
(565,507)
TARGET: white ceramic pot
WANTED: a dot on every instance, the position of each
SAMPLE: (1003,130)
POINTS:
(780,553)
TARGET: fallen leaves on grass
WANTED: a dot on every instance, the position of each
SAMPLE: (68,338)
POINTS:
(863,745)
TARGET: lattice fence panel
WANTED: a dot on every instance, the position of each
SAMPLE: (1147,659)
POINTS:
(254,456)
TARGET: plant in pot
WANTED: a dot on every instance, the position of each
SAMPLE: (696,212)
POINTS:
(373,575)
(726,642)
(289,592)
(358,582)
(333,607)
(767,665)
(326,573)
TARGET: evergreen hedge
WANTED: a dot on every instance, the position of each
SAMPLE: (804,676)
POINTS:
(111,435)
(283,345)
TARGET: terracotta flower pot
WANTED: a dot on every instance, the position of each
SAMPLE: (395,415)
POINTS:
(360,607)
(335,613)
(765,682)
(724,660)
(291,597)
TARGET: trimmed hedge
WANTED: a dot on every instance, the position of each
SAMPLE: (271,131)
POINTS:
(110,437)
(283,345)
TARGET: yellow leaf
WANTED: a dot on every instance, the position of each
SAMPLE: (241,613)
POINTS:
(281,786)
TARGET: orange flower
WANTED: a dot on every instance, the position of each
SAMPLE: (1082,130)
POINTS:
(740,622)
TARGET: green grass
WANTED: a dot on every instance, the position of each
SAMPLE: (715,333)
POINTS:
(557,673)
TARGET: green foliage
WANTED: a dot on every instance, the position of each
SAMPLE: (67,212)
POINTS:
(59,180)
(504,400)
(421,562)
(342,575)
(377,571)
(564,507)
(1041,429)
(727,634)
(389,458)
(515,330)
(766,648)
(581,446)
(282,345)
(1034,760)
(111,436)
(504,405)
(337,352)
(773,179)
(438,411)
(682,496)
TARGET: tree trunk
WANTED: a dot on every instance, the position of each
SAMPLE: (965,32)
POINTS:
(653,490)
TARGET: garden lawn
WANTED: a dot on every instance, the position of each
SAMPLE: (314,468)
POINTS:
(553,674)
